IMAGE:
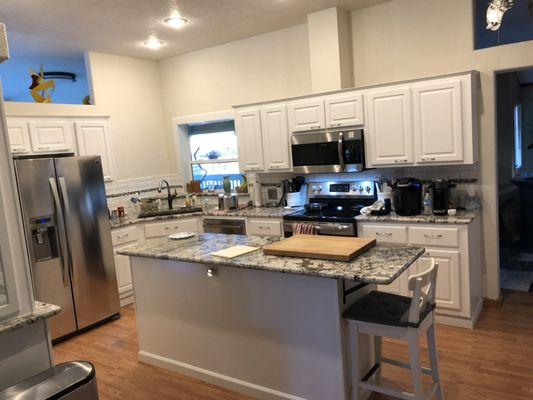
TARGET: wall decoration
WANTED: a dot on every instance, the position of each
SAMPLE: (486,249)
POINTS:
(500,22)
(41,89)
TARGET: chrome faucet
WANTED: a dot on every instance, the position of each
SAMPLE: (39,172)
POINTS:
(170,196)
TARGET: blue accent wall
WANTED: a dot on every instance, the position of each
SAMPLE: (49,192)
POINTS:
(517,25)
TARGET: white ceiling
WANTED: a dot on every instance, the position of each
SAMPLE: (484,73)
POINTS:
(120,26)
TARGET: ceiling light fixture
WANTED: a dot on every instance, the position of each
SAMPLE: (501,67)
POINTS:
(153,42)
(176,21)
(495,12)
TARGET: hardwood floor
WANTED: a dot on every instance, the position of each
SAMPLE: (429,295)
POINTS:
(492,362)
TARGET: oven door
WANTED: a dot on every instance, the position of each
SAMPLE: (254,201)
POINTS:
(323,228)
(340,151)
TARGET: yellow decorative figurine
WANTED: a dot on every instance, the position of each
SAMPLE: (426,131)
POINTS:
(40,85)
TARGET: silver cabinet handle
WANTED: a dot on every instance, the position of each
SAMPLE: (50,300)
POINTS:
(125,235)
(17,149)
(61,231)
(384,234)
(171,227)
(264,227)
(433,235)
(335,124)
(428,158)
(44,147)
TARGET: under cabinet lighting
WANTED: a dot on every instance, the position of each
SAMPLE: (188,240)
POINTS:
(176,21)
(495,12)
(153,42)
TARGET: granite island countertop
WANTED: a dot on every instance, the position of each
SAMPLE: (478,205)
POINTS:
(462,217)
(381,264)
(41,311)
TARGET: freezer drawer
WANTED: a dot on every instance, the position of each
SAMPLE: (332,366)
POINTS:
(69,381)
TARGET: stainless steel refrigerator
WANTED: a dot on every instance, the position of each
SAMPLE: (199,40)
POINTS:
(67,229)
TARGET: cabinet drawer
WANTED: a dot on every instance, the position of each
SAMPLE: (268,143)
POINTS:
(446,237)
(386,233)
(123,236)
(264,227)
(166,228)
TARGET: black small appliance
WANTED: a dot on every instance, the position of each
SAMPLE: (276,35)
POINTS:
(441,196)
(407,194)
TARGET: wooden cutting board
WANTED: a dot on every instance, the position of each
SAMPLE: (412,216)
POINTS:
(335,248)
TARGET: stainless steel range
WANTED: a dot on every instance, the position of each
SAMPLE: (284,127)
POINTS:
(333,207)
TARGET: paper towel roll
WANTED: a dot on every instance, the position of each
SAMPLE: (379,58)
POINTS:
(4,48)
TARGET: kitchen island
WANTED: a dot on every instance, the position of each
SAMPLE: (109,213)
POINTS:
(267,326)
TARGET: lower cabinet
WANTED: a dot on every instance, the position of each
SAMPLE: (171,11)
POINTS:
(160,229)
(261,227)
(124,280)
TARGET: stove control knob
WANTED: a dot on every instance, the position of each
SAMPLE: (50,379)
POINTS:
(313,188)
(368,189)
(319,188)
(354,188)
(360,188)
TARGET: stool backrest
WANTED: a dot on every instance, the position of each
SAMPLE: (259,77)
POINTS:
(424,288)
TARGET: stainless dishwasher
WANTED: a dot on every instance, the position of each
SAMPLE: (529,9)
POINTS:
(227,226)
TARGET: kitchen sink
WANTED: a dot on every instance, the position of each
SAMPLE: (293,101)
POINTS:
(176,211)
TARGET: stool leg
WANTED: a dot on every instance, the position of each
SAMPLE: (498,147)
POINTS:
(355,365)
(416,366)
(377,358)
(433,359)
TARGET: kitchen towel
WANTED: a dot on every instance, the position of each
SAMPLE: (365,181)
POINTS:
(304,229)
(4,48)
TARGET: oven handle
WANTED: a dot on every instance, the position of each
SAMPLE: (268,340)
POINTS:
(340,148)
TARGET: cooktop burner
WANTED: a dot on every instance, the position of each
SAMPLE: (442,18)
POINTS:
(329,214)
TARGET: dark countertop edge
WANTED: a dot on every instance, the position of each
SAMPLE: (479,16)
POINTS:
(41,311)
(222,263)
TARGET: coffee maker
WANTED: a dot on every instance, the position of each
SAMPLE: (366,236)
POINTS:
(441,196)
(407,194)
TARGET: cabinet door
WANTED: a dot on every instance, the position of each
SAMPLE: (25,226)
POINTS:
(389,127)
(448,277)
(438,122)
(344,110)
(123,268)
(94,139)
(307,115)
(248,126)
(160,229)
(19,137)
(275,134)
(51,136)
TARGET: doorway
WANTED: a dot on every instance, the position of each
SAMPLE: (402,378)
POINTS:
(514,102)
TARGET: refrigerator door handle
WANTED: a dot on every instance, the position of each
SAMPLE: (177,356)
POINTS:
(61,232)
(64,195)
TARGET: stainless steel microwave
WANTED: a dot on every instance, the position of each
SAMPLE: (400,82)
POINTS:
(338,151)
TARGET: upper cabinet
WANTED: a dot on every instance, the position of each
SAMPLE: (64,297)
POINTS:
(388,138)
(275,133)
(344,110)
(250,142)
(93,138)
(307,115)
(438,121)
(51,136)
(19,137)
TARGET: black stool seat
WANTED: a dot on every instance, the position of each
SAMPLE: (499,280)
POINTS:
(384,308)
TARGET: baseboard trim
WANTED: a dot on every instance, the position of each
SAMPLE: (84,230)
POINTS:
(227,382)
(493,303)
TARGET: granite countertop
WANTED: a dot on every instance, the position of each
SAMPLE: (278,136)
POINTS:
(462,217)
(252,212)
(381,264)
(42,311)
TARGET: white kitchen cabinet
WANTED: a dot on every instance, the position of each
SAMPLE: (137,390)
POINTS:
(307,115)
(160,229)
(94,139)
(438,121)
(448,278)
(19,137)
(262,227)
(250,142)
(124,280)
(51,136)
(389,134)
(345,109)
(275,135)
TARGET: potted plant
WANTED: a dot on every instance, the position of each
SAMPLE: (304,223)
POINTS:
(213,155)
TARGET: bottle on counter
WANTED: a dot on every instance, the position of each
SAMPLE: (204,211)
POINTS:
(187,200)
(193,200)
(428,204)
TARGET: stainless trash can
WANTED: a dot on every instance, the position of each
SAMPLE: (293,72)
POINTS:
(70,381)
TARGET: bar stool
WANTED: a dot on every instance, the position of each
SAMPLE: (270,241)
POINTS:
(389,315)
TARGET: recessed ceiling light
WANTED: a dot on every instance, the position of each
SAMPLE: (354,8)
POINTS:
(176,21)
(153,42)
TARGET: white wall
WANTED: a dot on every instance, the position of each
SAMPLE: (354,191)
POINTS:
(264,67)
(405,39)
(129,90)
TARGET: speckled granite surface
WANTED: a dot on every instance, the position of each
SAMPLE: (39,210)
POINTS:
(462,217)
(42,311)
(381,264)
(252,212)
